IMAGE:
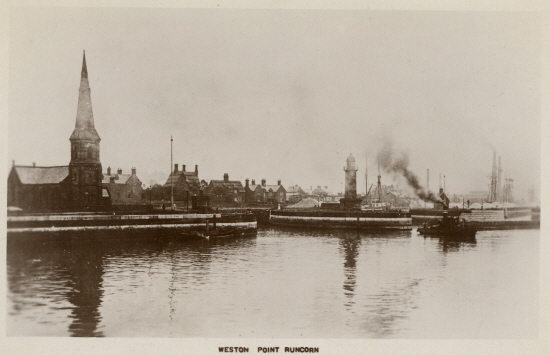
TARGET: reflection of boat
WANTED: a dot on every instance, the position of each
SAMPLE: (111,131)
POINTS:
(219,233)
(449,227)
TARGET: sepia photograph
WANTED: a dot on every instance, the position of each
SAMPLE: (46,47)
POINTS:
(268,177)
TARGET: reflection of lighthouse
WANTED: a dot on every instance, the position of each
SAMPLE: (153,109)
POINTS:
(350,201)
(350,245)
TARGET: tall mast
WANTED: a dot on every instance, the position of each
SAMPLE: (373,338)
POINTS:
(427,183)
(366,179)
(171,177)
(379,184)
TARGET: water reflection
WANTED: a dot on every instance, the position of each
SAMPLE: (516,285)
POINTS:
(285,283)
(85,267)
(55,273)
(349,244)
(68,274)
(452,245)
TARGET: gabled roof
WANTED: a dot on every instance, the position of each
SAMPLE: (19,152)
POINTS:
(191,177)
(255,187)
(294,188)
(37,175)
(122,178)
(274,188)
(230,184)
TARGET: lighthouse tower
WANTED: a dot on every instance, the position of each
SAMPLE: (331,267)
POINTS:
(351,177)
(350,200)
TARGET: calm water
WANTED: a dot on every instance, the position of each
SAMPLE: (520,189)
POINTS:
(284,283)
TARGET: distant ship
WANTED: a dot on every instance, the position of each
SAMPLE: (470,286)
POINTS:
(348,214)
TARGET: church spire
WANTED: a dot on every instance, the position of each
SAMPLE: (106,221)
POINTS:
(84,73)
(84,127)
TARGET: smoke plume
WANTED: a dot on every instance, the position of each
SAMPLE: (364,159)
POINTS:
(397,162)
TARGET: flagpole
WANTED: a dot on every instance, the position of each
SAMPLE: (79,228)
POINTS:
(171,177)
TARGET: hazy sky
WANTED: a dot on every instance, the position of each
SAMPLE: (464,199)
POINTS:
(282,94)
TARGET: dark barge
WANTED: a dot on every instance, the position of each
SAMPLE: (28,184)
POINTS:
(364,220)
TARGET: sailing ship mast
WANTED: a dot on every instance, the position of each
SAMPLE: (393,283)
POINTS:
(171,177)
(366,179)
(379,184)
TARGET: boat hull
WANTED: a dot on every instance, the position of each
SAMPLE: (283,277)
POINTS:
(343,220)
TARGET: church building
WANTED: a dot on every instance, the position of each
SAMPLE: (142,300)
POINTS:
(74,187)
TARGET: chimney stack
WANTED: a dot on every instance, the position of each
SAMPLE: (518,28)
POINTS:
(109,171)
(263,182)
(246,182)
(428,180)
(175,168)
(33,164)
(279,182)
(253,182)
(119,171)
(226,177)
(196,168)
(112,179)
(134,171)
(183,167)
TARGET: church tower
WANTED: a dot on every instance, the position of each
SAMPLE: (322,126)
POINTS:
(85,168)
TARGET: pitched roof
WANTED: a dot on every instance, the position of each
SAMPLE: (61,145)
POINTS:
(275,188)
(230,184)
(254,187)
(294,188)
(122,178)
(35,175)
(190,176)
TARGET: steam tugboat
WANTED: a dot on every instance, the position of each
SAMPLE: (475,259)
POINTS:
(449,226)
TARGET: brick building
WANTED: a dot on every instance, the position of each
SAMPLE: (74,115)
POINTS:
(37,187)
(226,190)
(275,194)
(254,194)
(295,194)
(184,180)
(264,193)
(124,189)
